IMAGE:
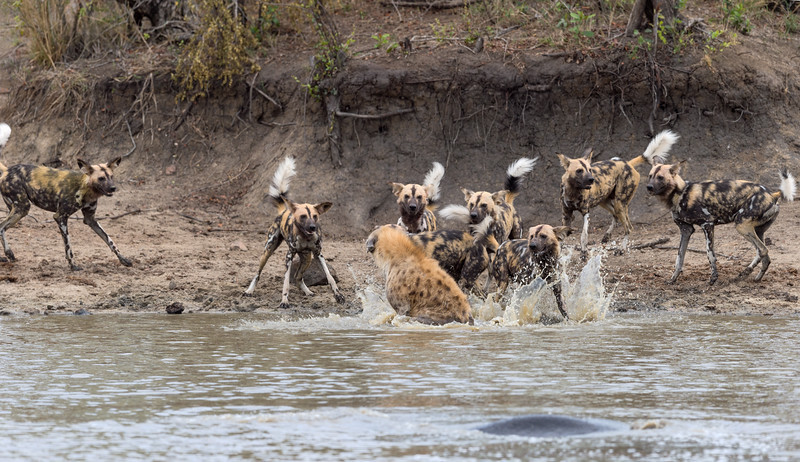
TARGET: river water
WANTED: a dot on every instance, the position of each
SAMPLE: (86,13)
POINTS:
(246,387)
(377,387)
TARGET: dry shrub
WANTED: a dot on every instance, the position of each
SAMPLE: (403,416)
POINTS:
(221,49)
(65,30)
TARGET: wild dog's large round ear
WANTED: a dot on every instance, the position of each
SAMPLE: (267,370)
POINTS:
(323,207)
(85,166)
(562,232)
(396,188)
(500,196)
(676,169)
(564,160)
(588,153)
(289,204)
(467,193)
(114,163)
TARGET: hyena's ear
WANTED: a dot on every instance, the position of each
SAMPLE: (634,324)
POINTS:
(562,232)
(323,207)
(467,193)
(676,169)
(564,161)
(396,188)
(114,163)
(587,154)
(85,166)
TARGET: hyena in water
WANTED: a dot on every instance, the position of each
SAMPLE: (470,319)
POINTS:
(708,203)
(611,184)
(415,284)
(417,202)
(298,225)
(63,192)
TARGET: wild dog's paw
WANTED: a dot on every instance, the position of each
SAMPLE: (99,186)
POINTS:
(10,256)
(339,298)
(284,306)
(125,261)
(75,268)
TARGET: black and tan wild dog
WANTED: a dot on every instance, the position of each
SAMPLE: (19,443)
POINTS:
(611,184)
(749,205)
(463,255)
(522,260)
(499,205)
(417,202)
(63,192)
(298,225)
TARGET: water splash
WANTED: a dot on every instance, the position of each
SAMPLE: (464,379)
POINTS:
(585,299)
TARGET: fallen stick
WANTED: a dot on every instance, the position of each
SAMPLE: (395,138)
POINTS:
(663,240)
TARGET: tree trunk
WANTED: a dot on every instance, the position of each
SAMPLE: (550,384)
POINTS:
(645,12)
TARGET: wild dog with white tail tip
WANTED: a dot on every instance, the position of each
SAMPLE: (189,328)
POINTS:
(500,205)
(611,184)
(298,225)
(63,192)
(417,202)
(749,205)
(521,260)
(415,284)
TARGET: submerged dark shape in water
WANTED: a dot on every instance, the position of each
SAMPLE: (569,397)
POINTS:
(545,425)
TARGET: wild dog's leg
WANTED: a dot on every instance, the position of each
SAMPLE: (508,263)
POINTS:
(686,232)
(708,229)
(747,230)
(287,279)
(88,218)
(297,276)
(612,210)
(559,298)
(17,212)
(585,233)
(765,260)
(62,226)
(338,296)
(274,239)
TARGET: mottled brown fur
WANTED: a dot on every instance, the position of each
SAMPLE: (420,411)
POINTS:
(749,205)
(521,260)
(298,225)
(415,284)
(63,192)
(463,255)
(500,205)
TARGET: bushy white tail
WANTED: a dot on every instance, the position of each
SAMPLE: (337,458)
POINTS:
(5,132)
(280,181)
(454,212)
(788,185)
(521,167)
(432,179)
(657,151)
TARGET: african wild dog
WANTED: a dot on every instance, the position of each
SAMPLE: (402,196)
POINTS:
(749,205)
(61,191)
(500,205)
(415,284)
(297,224)
(463,255)
(417,202)
(610,184)
(521,260)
